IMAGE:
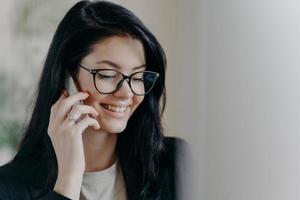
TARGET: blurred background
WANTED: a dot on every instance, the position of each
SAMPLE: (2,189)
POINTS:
(232,85)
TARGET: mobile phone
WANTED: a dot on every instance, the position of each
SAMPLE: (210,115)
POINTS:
(70,85)
(72,89)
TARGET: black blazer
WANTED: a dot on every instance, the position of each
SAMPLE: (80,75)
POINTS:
(17,180)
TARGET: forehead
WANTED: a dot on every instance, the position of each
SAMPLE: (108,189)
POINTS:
(124,51)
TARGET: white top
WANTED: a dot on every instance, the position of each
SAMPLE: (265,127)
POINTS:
(107,184)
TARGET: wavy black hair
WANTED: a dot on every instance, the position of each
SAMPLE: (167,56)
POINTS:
(140,144)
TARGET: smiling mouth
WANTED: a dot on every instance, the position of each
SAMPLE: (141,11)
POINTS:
(113,108)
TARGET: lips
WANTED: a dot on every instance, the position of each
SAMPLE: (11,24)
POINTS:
(115,108)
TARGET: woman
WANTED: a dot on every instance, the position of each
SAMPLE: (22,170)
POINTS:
(104,141)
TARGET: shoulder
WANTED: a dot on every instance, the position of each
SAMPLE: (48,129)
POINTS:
(17,181)
(169,162)
(173,148)
(173,155)
(19,171)
(174,143)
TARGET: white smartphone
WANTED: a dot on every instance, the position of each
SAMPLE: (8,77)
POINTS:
(72,89)
(70,85)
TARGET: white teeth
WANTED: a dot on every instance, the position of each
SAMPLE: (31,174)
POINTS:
(118,109)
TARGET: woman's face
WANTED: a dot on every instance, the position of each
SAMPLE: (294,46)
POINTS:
(123,54)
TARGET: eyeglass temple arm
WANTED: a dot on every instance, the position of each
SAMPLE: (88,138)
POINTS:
(89,70)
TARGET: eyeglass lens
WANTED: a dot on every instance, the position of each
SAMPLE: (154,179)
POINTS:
(108,81)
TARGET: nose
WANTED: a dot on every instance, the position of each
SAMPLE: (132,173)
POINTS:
(124,91)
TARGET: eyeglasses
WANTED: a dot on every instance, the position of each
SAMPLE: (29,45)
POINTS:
(108,81)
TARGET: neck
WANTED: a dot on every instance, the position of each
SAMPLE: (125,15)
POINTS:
(99,149)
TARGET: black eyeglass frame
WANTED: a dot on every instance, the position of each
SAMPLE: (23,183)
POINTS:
(127,78)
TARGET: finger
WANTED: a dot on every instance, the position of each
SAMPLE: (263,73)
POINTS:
(67,103)
(81,109)
(77,113)
(79,96)
(61,97)
(85,123)
(55,106)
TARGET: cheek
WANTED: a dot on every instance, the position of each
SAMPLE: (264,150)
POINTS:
(86,84)
(94,97)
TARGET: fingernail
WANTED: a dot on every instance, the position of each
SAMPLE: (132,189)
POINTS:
(97,127)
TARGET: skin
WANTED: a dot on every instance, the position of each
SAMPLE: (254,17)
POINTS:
(89,145)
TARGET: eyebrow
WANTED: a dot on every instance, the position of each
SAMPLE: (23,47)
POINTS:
(118,66)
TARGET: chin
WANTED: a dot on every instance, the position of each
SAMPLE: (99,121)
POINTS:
(115,128)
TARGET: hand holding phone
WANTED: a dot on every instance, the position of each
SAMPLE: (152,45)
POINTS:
(66,137)
(72,89)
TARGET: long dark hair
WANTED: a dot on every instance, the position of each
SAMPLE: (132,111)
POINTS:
(140,144)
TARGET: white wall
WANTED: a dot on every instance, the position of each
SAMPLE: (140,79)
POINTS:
(191,85)
(253,100)
(248,69)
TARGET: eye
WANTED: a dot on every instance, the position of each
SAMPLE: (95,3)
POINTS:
(105,75)
(138,79)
